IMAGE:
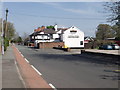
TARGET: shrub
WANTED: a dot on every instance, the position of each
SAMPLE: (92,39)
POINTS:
(6,43)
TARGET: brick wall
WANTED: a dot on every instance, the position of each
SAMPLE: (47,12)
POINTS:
(51,44)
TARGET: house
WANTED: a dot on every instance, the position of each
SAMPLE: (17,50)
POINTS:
(70,37)
(88,39)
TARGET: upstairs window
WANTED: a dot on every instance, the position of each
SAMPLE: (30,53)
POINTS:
(73,31)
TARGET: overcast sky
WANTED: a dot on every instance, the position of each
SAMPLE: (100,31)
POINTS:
(27,16)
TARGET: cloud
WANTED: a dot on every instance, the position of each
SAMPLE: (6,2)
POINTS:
(89,11)
(75,11)
(59,0)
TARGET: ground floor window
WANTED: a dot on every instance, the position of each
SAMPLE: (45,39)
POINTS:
(81,42)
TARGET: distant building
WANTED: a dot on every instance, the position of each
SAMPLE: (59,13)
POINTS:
(88,39)
(71,37)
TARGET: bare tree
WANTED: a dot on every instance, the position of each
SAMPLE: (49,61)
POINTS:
(114,9)
(114,17)
(25,38)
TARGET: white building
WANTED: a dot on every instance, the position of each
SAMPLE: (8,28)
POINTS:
(73,38)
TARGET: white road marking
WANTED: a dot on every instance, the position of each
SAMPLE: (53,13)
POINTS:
(15,63)
(16,48)
(52,86)
(22,55)
(19,51)
(36,70)
(26,60)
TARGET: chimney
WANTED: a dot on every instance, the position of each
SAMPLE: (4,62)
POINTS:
(39,29)
(55,27)
(34,30)
(43,27)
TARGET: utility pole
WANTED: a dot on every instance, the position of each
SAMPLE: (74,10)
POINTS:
(5,31)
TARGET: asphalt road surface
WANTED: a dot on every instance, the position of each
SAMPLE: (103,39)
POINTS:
(66,70)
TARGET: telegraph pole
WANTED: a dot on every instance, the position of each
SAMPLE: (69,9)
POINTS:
(5,31)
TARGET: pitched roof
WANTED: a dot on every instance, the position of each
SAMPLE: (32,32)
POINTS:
(49,31)
(46,31)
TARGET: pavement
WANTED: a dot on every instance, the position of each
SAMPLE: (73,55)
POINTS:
(11,77)
(0,70)
(78,51)
(112,52)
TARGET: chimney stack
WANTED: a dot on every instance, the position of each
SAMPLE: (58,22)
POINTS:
(55,26)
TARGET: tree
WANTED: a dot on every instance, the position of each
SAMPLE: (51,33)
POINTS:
(17,38)
(0,34)
(10,30)
(0,25)
(25,38)
(104,31)
(116,29)
(50,27)
(9,33)
(114,9)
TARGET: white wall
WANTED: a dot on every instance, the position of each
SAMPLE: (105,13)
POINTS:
(73,39)
(41,37)
(55,36)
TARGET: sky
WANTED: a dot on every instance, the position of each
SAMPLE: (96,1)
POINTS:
(27,16)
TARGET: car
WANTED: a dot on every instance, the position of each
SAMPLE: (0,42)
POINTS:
(115,46)
(106,47)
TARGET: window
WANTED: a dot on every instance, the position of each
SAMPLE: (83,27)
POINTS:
(73,31)
(51,36)
(81,42)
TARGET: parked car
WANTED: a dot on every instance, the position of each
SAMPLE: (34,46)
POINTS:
(106,47)
(115,46)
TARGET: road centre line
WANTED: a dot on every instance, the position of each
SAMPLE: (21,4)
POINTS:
(36,70)
(26,60)
(52,86)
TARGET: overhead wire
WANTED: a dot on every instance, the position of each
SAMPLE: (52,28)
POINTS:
(31,15)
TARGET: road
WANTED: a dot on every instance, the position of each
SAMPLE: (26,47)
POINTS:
(66,70)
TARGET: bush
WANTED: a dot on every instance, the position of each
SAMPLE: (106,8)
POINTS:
(6,43)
